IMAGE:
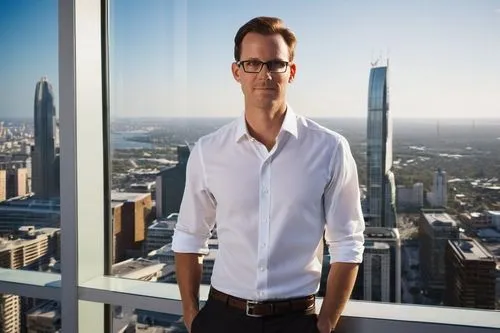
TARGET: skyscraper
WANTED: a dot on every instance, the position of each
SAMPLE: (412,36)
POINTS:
(170,185)
(440,189)
(44,171)
(379,277)
(381,188)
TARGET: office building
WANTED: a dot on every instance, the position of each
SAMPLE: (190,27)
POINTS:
(470,275)
(435,230)
(30,249)
(439,195)
(379,276)
(381,188)
(3,185)
(46,318)
(410,198)
(17,182)
(131,214)
(493,218)
(166,256)
(170,184)
(29,210)
(160,232)
(44,170)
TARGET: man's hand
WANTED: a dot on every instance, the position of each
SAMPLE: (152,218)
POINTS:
(324,325)
(188,319)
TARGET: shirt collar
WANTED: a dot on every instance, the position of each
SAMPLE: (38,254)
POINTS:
(289,125)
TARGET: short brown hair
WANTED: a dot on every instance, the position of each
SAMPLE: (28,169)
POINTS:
(265,25)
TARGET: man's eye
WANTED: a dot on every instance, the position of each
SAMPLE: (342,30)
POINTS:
(254,63)
(278,64)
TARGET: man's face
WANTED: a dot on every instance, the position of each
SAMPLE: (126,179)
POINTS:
(266,88)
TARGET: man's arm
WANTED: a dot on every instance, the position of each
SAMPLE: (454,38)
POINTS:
(343,234)
(192,231)
(341,279)
(188,270)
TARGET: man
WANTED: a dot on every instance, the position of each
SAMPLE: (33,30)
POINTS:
(274,183)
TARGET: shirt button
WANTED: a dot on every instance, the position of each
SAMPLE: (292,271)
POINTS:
(265,191)
(262,268)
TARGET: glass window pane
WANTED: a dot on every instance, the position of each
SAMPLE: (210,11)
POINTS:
(128,320)
(29,150)
(170,84)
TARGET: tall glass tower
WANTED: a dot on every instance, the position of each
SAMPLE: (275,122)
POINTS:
(381,195)
(44,182)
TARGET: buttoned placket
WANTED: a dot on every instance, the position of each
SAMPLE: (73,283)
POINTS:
(264,217)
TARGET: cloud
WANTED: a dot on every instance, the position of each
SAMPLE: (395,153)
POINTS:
(497,10)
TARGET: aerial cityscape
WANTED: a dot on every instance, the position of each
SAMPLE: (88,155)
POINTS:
(430,195)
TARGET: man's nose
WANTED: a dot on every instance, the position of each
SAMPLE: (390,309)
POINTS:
(265,73)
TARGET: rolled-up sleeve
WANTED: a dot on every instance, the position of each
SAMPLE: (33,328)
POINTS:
(197,212)
(344,217)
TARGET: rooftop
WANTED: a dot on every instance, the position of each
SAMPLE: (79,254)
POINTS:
(470,249)
(31,203)
(439,220)
(32,237)
(50,309)
(127,196)
(135,268)
(381,232)
(488,233)
(369,245)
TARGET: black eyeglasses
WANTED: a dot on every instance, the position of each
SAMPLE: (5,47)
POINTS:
(255,66)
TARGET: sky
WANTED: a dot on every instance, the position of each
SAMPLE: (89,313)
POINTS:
(172,58)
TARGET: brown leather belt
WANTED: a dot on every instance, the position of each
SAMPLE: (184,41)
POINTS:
(265,308)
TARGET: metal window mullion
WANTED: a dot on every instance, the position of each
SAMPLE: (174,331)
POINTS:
(80,100)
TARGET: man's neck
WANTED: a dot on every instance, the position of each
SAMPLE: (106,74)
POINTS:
(264,124)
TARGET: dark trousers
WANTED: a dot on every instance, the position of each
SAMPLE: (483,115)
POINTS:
(217,317)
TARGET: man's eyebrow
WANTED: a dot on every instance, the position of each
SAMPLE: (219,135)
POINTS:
(275,59)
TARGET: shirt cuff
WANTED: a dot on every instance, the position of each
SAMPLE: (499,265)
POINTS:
(346,253)
(183,242)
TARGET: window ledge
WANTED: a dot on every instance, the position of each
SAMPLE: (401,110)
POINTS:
(30,284)
(165,297)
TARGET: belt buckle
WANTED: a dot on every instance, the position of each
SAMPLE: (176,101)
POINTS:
(249,308)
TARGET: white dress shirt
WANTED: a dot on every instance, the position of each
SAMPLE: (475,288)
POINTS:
(271,208)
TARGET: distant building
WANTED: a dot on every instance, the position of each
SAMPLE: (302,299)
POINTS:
(167,256)
(381,188)
(131,213)
(435,230)
(493,218)
(31,249)
(3,185)
(439,195)
(379,276)
(44,169)
(160,232)
(29,210)
(17,182)
(46,318)
(170,185)
(470,275)
(138,269)
(410,197)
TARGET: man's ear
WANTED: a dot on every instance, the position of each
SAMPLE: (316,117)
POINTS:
(293,70)
(235,69)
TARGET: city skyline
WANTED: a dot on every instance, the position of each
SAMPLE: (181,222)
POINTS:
(439,67)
